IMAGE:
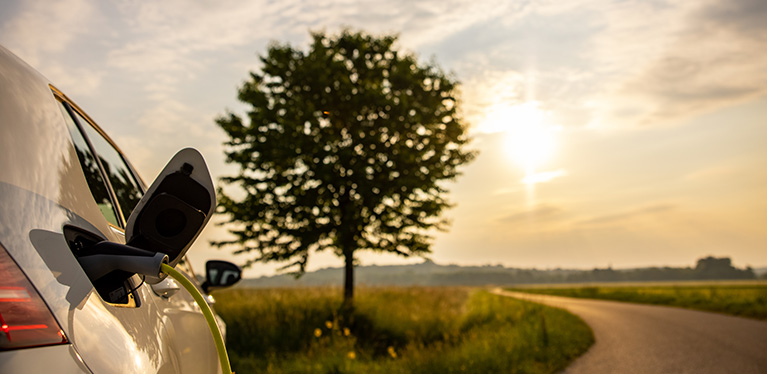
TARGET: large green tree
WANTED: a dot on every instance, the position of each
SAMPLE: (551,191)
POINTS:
(344,149)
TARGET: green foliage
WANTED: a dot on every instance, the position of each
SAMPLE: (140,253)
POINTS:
(268,321)
(740,300)
(721,268)
(397,330)
(344,148)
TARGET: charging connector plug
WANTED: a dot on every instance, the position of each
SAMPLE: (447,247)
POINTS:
(106,257)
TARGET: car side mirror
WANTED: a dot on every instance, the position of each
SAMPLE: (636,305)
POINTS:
(220,274)
(175,209)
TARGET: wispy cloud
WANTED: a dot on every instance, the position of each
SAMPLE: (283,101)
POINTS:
(714,55)
(543,177)
(165,40)
(742,17)
(537,214)
(644,212)
(615,64)
(40,27)
(48,35)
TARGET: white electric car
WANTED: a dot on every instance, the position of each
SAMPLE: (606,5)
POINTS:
(75,220)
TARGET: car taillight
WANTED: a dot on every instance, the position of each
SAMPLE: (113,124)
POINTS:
(25,320)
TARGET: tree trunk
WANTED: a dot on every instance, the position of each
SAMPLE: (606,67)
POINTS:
(349,280)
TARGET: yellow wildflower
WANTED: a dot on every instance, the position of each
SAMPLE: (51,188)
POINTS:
(317,332)
(329,325)
(347,332)
(391,351)
(351,355)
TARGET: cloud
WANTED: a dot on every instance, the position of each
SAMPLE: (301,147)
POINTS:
(165,128)
(429,22)
(716,58)
(173,47)
(644,212)
(41,28)
(76,81)
(490,89)
(614,64)
(543,177)
(537,214)
(623,64)
(743,17)
(166,45)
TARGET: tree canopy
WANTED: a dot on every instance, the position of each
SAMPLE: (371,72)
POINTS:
(344,148)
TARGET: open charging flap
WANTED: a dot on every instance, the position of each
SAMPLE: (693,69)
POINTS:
(175,209)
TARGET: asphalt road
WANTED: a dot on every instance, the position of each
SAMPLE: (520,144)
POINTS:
(634,338)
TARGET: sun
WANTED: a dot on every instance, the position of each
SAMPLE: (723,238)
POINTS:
(530,138)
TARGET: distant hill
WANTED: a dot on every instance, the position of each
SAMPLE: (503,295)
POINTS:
(429,273)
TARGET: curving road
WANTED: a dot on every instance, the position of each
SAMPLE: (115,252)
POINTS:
(634,338)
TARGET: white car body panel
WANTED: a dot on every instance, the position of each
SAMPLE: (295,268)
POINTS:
(43,189)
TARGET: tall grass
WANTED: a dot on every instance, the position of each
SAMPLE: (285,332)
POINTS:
(396,330)
(745,300)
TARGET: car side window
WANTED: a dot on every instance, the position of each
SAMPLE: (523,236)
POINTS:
(123,182)
(101,159)
(113,184)
(91,169)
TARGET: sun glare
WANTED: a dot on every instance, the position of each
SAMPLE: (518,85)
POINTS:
(530,139)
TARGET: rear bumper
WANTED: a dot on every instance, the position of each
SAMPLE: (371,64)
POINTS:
(59,359)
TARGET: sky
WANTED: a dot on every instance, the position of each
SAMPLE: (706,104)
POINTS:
(610,133)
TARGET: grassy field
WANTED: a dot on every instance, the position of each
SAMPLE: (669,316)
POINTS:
(396,330)
(739,299)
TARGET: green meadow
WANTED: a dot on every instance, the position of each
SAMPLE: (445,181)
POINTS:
(396,330)
(745,299)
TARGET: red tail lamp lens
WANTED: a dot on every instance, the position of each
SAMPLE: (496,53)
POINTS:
(25,320)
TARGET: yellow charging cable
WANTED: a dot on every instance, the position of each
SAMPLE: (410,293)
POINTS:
(222,356)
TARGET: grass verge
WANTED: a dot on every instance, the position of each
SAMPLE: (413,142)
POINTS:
(745,300)
(396,330)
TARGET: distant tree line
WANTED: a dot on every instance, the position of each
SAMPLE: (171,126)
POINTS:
(707,268)
(431,274)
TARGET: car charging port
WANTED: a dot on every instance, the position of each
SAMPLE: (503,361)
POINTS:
(116,286)
(109,257)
